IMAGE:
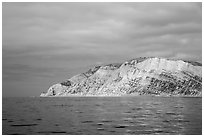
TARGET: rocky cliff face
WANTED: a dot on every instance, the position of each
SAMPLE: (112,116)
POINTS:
(152,76)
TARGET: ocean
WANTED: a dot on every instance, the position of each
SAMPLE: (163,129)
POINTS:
(102,115)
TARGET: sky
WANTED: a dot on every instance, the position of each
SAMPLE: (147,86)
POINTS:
(46,43)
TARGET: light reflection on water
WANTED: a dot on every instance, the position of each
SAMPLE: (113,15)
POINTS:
(102,115)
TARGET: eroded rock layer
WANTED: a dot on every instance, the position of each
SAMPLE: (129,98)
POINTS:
(141,76)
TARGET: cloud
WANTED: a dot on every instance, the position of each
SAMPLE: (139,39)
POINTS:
(22,72)
(182,56)
(185,56)
(158,54)
(63,28)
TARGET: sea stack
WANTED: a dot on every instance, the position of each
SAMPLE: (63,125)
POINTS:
(140,76)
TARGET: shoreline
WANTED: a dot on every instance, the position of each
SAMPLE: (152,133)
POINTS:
(182,96)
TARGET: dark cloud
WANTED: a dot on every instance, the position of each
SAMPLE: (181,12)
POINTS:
(48,42)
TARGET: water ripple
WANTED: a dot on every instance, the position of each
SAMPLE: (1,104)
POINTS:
(23,125)
(87,121)
(136,115)
(52,132)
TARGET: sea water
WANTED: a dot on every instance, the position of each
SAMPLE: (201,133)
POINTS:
(102,115)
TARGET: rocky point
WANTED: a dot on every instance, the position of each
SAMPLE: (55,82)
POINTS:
(141,76)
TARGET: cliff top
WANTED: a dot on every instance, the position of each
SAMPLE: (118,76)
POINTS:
(141,59)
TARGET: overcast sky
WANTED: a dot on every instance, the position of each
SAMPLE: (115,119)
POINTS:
(46,43)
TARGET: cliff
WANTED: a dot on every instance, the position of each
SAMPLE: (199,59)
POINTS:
(141,76)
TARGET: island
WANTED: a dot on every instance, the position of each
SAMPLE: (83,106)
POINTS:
(141,76)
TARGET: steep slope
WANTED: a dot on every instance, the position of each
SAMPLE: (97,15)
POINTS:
(154,76)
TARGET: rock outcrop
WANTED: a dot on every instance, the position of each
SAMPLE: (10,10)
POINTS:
(141,76)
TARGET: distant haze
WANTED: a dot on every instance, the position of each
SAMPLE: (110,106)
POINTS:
(46,43)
